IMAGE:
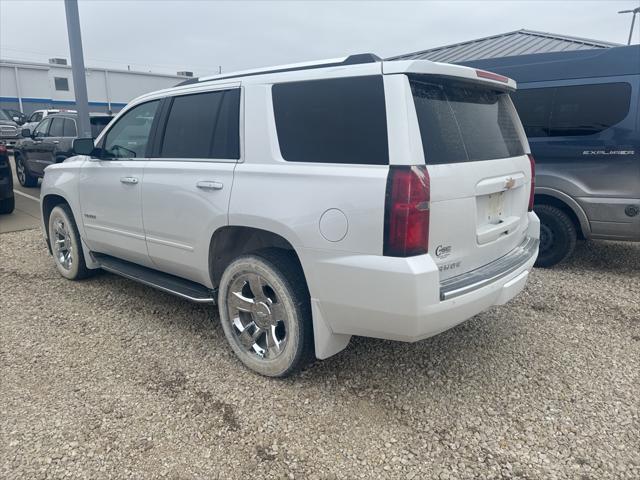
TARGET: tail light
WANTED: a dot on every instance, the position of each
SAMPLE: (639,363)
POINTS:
(406,228)
(533,181)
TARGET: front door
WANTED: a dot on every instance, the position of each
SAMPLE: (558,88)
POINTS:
(32,148)
(110,188)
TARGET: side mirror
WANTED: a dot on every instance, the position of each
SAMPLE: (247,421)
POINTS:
(83,146)
(26,133)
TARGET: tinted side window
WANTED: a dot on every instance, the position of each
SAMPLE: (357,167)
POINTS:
(57,127)
(588,109)
(69,128)
(129,136)
(534,109)
(203,125)
(341,120)
(98,124)
(41,128)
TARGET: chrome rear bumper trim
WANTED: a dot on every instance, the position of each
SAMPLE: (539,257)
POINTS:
(482,276)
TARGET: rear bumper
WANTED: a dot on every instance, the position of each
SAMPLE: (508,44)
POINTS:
(403,298)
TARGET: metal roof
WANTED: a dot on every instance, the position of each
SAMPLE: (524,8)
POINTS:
(519,42)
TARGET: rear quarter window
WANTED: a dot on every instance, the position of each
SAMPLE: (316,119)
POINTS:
(339,120)
(464,122)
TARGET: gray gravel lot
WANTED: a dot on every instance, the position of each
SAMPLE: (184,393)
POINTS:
(109,379)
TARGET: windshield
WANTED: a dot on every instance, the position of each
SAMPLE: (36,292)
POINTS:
(464,122)
(4,116)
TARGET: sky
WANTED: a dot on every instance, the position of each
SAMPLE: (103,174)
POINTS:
(201,36)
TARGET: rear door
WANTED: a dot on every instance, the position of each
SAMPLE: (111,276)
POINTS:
(187,182)
(474,149)
(49,145)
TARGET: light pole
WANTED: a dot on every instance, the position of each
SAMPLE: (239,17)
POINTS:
(635,11)
(77,67)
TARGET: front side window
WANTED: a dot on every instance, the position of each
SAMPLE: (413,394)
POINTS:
(129,137)
(464,122)
(203,125)
(42,128)
(36,117)
(338,120)
(57,127)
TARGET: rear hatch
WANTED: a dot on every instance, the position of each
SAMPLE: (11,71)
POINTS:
(475,152)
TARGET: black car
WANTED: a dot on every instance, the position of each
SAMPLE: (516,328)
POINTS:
(7,201)
(15,115)
(50,142)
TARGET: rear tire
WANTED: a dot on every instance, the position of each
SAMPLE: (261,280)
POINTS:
(22,171)
(557,235)
(265,312)
(65,244)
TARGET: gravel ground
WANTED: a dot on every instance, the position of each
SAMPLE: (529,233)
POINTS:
(109,379)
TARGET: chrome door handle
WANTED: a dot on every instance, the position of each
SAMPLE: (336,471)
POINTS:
(129,180)
(208,185)
(55,142)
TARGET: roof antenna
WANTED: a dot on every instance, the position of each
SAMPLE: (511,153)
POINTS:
(635,11)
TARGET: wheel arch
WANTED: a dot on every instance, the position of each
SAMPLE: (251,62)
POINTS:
(556,198)
(231,241)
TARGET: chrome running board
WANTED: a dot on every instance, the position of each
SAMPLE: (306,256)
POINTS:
(482,276)
(180,287)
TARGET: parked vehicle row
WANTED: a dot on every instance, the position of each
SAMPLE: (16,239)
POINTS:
(410,182)
(50,142)
(38,115)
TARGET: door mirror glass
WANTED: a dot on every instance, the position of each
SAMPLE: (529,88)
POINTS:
(26,133)
(83,146)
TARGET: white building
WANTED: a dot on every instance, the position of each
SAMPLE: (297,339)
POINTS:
(29,86)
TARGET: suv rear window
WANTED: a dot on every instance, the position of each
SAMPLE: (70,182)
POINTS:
(338,120)
(464,122)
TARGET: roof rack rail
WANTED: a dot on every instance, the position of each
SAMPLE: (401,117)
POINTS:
(356,59)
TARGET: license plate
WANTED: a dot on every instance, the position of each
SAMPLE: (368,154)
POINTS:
(496,207)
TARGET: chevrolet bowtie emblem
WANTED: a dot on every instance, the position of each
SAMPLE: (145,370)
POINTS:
(509,183)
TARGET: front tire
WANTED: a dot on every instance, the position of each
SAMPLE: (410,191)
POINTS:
(66,245)
(557,235)
(265,312)
(22,172)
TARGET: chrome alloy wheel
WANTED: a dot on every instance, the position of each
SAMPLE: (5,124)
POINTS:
(61,244)
(257,316)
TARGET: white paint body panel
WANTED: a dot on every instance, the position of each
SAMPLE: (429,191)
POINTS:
(355,290)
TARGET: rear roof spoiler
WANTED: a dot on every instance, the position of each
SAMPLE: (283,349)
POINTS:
(426,67)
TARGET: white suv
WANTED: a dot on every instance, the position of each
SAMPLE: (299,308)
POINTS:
(310,202)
